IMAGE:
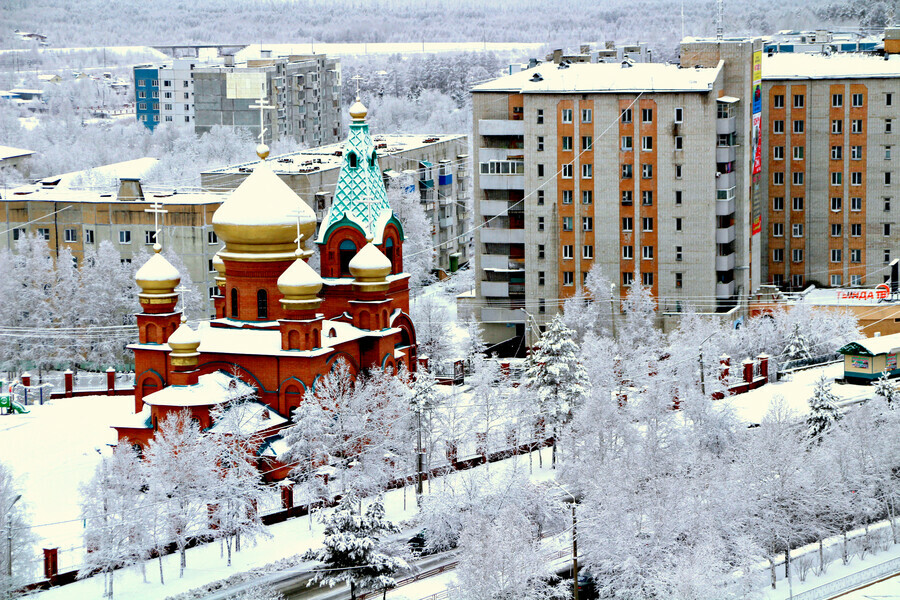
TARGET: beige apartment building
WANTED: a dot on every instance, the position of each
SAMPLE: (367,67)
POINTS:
(831,170)
(641,169)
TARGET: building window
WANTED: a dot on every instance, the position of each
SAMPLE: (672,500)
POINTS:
(567,171)
(797,281)
(627,224)
(887,178)
(587,142)
(587,197)
(167,106)
(798,152)
(646,115)
(857,100)
(887,153)
(647,279)
(887,255)
(777,229)
(647,224)
(836,204)
(778,178)
(797,203)
(540,223)
(855,229)
(567,223)
(856,178)
(71,235)
(647,252)
(568,278)
(149,237)
(837,126)
(856,126)
(141,83)
(142,106)
(587,223)
(778,203)
(835,280)
(837,178)
(778,101)
(888,126)
(778,279)
(778,255)
(647,198)
(797,230)
(647,171)
(627,145)
(587,171)
(626,171)
(626,115)
(855,255)
(587,252)
(837,100)
(627,278)
(627,196)
(888,99)
(835,230)
(799,126)
(185,84)
(540,169)
(234,303)
(88,236)
(587,115)
(541,248)
(677,197)
(855,204)
(778,152)
(542,307)
(566,143)
(835,255)
(540,143)
(124,237)
(798,101)
(541,278)
(679,254)
(679,115)
(567,115)
(567,252)
(886,229)
(168,95)
(540,116)
(540,197)
(567,196)
(647,143)
(856,152)
(887,205)
(142,95)
(628,252)
(211,237)
(837,152)
(797,178)
(677,171)
(797,255)
(679,142)
(210,267)
(212,292)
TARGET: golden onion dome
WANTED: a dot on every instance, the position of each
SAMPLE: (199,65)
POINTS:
(358,111)
(184,340)
(300,281)
(259,220)
(157,275)
(218,264)
(369,264)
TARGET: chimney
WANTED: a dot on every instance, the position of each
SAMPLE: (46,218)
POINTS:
(130,189)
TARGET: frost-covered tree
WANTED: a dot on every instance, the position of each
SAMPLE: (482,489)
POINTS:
(112,509)
(823,411)
(885,389)
(23,538)
(798,347)
(355,550)
(591,313)
(307,442)
(418,250)
(433,326)
(555,376)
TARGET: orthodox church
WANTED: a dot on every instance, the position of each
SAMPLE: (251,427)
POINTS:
(279,325)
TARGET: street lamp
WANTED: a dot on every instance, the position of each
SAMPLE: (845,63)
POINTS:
(574,539)
(9,538)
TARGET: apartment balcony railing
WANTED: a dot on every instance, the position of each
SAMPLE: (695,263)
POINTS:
(725,263)
(725,235)
(501,127)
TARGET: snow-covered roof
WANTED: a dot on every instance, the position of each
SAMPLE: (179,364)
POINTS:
(157,268)
(274,447)
(7,152)
(263,199)
(883,344)
(107,193)
(247,418)
(129,169)
(789,65)
(370,261)
(210,389)
(141,420)
(841,297)
(605,77)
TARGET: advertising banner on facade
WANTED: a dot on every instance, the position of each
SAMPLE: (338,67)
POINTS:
(757,111)
(859,363)
(757,225)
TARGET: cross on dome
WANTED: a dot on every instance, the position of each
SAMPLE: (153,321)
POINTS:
(157,209)
(261,103)
(181,290)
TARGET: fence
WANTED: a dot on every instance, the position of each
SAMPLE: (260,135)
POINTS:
(854,580)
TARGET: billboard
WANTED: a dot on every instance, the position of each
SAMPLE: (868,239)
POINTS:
(757,111)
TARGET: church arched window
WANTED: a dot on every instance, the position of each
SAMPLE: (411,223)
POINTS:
(347,251)
(234,303)
(389,252)
(352,160)
(262,305)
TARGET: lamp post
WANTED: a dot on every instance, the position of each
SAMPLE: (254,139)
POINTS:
(9,538)
(574,539)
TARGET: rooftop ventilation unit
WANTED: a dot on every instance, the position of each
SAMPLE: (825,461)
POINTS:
(536,77)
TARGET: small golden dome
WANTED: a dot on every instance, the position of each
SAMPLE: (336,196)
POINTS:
(262,151)
(157,276)
(300,282)
(358,111)
(218,264)
(185,340)
(370,265)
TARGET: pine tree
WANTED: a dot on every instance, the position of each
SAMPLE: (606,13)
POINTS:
(355,550)
(823,412)
(884,388)
(555,376)
(797,347)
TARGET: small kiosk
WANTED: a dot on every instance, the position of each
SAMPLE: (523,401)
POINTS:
(865,359)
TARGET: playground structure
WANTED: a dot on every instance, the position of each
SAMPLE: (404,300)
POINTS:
(9,399)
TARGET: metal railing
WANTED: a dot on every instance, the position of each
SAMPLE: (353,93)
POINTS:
(854,580)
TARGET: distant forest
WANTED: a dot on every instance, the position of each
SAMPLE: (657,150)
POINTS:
(557,22)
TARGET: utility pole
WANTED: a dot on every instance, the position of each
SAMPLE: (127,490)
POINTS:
(9,536)
(612,308)
(420,456)
(702,380)
(574,551)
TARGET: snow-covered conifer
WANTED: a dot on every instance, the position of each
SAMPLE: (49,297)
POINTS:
(823,410)
(885,389)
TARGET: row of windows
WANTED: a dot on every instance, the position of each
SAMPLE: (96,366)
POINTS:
(857,100)
(837,126)
(837,178)
(587,170)
(567,115)
(587,252)
(855,230)
(797,280)
(837,204)
(262,304)
(587,197)
(835,255)
(587,223)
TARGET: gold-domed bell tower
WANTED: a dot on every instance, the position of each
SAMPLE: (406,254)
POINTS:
(301,329)
(157,279)
(219,298)
(371,307)
(183,358)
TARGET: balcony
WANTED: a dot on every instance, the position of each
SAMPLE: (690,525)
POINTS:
(492,208)
(724,207)
(446,222)
(501,127)
(725,290)
(725,181)
(726,125)
(501,182)
(725,263)
(495,289)
(725,154)
(497,261)
(496,235)
(502,315)
(724,236)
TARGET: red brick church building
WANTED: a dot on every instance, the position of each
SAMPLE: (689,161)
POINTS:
(279,325)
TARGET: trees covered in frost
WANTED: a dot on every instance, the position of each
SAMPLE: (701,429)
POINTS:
(885,389)
(823,411)
(14,525)
(355,549)
(418,250)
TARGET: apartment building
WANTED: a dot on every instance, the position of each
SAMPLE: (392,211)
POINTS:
(831,169)
(641,169)
(303,90)
(433,166)
(821,41)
